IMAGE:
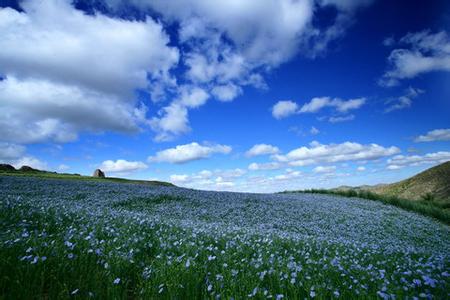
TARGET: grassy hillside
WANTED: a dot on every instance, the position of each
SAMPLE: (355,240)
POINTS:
(54,175)
(433,183)
(427,193)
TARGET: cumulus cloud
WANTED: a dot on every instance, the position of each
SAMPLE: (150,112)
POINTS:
(179,178)
(9,151)
(324,169)
(261,149)
(67,71)
(265,32)
(30,161)
(264,166)
(342,106)
(288,175)
(423,52)
(16,155)
(347,151)
(223,184)
(339,119)
(189,152)
(283,109)
(53,40)
(404,101)
(400,161)
(223,47)
(122,166)
(172,122)
(231,173)
(226,92)
(193,97)
(206,179)
(37,110)
(226,46)
(434,135)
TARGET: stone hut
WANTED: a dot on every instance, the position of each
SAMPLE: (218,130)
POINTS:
(98,173)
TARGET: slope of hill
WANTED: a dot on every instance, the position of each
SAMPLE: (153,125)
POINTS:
(433,183)
(8,170)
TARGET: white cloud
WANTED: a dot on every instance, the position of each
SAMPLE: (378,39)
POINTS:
(401,161)
(226,92)
(224,47)
(434,135)
(315,104)
(68,72)
(53,40)
(16,155)
(342,106)
(314,131)
(288,175)
(228,45)
(205,179)
(204,174)
(9,151)
(265,32)
(404,101)
(193,97)
(264,166)
(39,110)
(122,166)
(283,109)
(324,169)
(360,169)
(177,179)
(232,173)
(173,121)
(31,162)
(339,119)
(348,151)
(426,52)
(262,149)
(188,152)
(222,183)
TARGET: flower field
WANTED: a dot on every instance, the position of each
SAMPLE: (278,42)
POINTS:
(105,240)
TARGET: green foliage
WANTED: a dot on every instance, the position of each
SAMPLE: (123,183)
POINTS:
(429,197)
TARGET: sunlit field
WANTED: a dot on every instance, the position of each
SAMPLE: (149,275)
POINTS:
(105,240)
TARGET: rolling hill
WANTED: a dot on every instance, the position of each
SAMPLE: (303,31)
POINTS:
(434,183)
(8,170)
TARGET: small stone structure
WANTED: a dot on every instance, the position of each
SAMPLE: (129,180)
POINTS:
(98,173)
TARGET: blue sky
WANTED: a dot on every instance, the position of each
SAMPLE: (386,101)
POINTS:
(242,96)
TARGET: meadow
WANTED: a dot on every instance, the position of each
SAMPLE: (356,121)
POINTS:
(427,205)
(107,240)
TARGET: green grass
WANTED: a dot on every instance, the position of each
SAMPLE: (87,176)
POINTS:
(147,203)
(428,206)
(54,175)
